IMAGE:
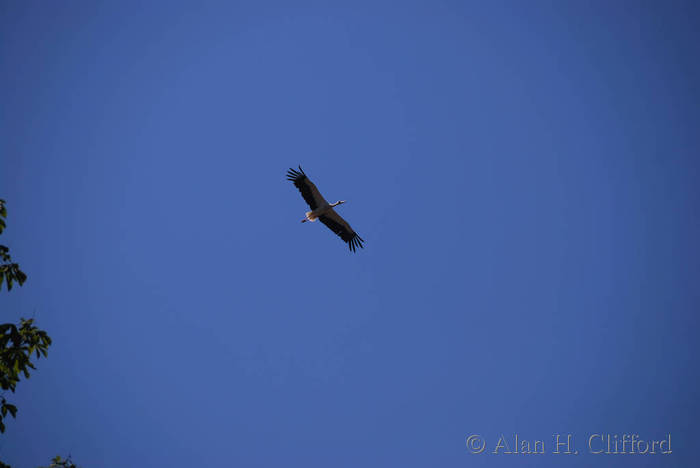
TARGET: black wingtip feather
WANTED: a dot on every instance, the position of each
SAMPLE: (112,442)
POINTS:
(355,242)
(294,175)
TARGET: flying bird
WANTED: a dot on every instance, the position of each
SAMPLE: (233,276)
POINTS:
(322,210)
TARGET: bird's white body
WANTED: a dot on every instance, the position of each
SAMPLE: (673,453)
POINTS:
(320,211)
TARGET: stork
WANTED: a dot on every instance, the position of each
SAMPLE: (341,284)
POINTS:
(322,210)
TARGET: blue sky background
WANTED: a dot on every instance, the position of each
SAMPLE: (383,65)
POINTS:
(525,175)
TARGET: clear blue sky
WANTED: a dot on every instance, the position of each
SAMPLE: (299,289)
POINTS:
(524,174)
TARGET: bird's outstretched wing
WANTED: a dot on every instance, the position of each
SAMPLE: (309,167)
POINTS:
(337,224)
(307,188)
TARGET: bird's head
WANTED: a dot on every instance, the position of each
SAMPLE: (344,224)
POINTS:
(340,202)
